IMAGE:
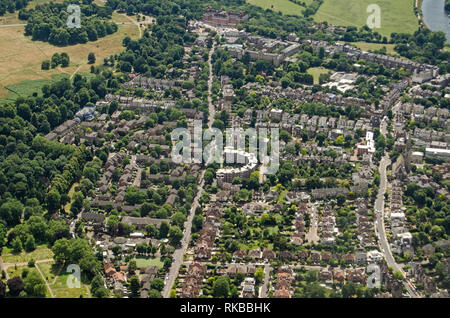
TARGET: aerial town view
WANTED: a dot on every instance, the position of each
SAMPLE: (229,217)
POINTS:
(224,149)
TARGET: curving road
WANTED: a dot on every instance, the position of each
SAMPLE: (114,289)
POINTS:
(381,231)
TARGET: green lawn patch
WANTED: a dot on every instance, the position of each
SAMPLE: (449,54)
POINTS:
(375,46)
(14,271)
(396,16)
(49,270)
(71,292)
(142,262)
(28,87)
(316,71)
(37,254)
(284,6)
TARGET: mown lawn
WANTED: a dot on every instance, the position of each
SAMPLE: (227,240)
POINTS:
(61,280)
(60,287)
(396,16)
(142,262)
(71,292)
(316,71)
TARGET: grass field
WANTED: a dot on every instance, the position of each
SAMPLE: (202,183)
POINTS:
(49,270)
(375,46)
(146,262)
(59,285)
(285,6)
(396,16)
(34,3)
(17,271)
(37,254)
(316,71)
(71,292)
(21,59)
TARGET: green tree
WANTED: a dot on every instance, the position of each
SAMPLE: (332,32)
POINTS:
(179,219)
(163,229)
(175,235)
(35,285)
(11,211)
(45,65)
(153,293)
(53,200)
(340,198)
(259,275)
(132,267)
(30,244)
(16,245)
(135,286)
(221,287)
(398,275)
(15,286)
(91,58)
(157,284)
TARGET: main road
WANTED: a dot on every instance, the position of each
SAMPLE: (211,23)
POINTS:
(178,255)
(379,224)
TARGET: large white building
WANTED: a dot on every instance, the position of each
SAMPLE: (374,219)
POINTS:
(249,161)
(437,152)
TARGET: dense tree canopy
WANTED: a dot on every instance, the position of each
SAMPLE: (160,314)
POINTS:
(48,23)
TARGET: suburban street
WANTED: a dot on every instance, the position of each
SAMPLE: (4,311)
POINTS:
(212,110)
(265,286)
(312,236)
(380,228)
(179,253)
(178,256)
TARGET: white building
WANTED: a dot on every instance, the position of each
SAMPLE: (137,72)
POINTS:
(417,157)
(437,152)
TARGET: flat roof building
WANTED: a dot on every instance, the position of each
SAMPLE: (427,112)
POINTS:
(437,152)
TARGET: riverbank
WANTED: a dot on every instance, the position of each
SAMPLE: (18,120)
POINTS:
(433,16)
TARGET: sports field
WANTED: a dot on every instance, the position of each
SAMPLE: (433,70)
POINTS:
(396,16)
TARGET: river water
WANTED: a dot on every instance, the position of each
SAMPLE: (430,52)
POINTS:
(435,16)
